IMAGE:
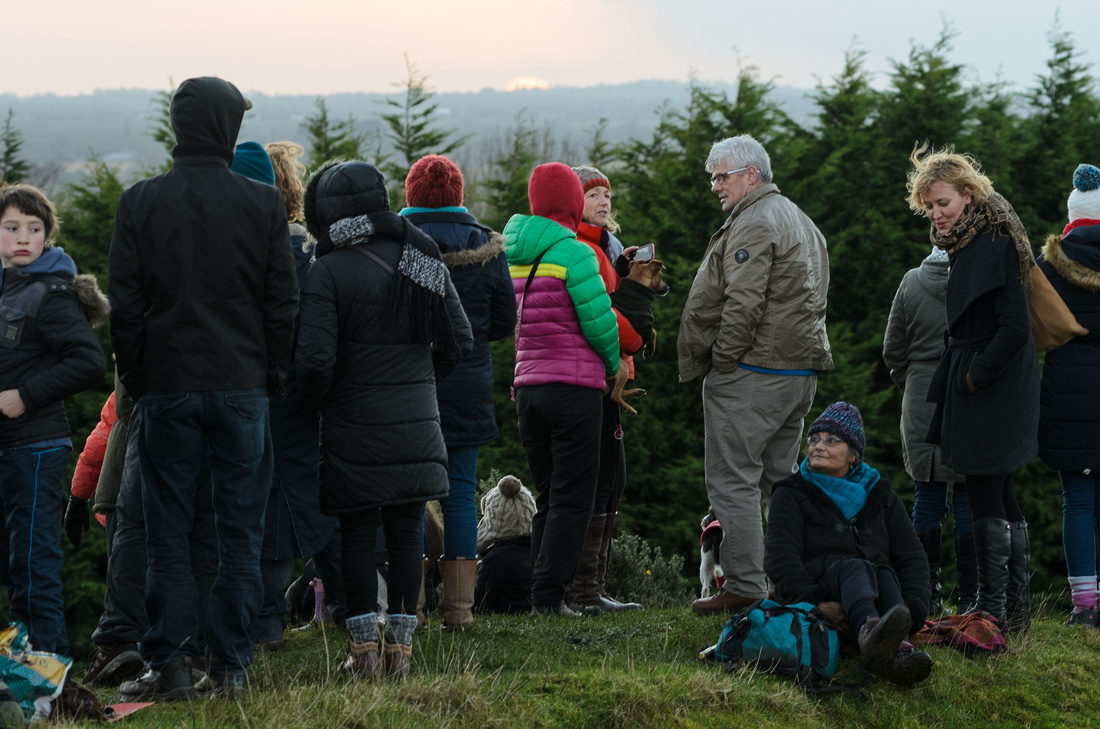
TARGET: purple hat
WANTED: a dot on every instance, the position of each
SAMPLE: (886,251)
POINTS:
(843,421)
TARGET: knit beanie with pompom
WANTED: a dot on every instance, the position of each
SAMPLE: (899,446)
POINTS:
(1084,201)
(506,511)
(434,182)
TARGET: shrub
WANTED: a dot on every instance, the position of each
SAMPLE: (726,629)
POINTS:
(639,572)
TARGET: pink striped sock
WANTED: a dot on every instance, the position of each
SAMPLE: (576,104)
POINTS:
(1083,593)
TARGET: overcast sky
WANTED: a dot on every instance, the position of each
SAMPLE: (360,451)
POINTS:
(329,46)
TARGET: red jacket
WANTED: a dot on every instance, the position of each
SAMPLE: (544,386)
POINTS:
(86,475)
(630,342)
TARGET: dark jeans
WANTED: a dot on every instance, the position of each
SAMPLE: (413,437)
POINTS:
(930,506)
(123,619)
(865,589)
(270,623)
(1080,503)
(31,482)
(560,428)
(358,536)
(179,429)
(459,506)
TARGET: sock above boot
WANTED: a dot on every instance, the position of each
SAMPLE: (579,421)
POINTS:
(1083,593)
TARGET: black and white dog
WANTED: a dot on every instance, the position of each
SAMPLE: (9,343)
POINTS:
(710,569)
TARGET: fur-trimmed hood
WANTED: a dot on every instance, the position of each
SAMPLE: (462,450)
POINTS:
(1076,257)
(92,301)
(478,256)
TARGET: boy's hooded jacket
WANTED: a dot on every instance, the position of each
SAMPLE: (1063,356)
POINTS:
(201,275)
(48,350)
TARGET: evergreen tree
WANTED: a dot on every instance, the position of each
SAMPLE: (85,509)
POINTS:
(330,139)
(13,169)
(1061,134)
(511,167)
(599,152)
(161,129)
(412,129)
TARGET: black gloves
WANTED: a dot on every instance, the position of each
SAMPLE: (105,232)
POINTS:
(76,519)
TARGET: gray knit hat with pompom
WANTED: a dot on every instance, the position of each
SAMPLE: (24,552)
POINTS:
(507,511)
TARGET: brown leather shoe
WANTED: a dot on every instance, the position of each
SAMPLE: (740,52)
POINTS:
(722,602)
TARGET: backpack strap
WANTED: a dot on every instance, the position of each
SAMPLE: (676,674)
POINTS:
(374,257)
(519,315)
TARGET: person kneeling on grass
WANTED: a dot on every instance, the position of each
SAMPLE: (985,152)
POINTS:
(840,538)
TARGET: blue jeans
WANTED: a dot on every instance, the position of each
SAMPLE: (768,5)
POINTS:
(458,507)
(1080,510)
(31,483)
(177,429)
(930,506)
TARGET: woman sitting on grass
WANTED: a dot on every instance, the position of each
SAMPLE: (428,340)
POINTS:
(840,538)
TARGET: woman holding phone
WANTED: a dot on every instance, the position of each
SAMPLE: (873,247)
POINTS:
(632,302)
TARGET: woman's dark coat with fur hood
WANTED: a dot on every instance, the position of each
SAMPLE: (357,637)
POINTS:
(475,257)
(48,350)
(1069,419)
(807,534)
(993,430)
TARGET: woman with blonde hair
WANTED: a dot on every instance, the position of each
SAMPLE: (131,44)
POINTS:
(986,387)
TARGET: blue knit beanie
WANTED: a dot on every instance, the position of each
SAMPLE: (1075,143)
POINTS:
(251,160)
(845,422)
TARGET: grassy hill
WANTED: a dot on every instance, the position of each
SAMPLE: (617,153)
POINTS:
(640,670)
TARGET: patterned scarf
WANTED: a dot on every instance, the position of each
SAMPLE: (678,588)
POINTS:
(421,282)
(995,214)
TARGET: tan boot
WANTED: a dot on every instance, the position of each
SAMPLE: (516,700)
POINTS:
(422,600)
(459,576)
(586,588)
(397,646)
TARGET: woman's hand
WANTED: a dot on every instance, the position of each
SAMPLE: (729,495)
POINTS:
(11,405)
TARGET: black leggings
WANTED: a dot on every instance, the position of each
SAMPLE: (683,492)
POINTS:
(991,497)
(358,533)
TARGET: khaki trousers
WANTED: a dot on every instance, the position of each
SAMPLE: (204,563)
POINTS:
(753,432)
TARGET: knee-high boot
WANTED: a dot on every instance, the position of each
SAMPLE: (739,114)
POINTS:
(993,546)
(1018,597)
(607,602)
(966,568)
(586,589)
(931,541)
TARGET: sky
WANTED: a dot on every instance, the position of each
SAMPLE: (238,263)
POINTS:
(69,47)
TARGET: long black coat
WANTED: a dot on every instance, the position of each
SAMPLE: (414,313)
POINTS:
(807,534)
(475,256)
(1069,419)
(993,430)
(381,442)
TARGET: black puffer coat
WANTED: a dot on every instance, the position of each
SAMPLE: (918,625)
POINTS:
(1069,419)
(475,256)
(807,534)
(994,430)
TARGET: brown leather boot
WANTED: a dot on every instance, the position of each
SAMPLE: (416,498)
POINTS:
(586,588)
(397,646)
(362,657)
(459,576)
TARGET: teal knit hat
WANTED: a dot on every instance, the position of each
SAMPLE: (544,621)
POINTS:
(251,160)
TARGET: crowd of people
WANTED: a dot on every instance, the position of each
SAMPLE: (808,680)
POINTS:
(300,369)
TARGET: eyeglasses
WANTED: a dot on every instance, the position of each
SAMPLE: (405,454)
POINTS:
(721,177)
(828,440)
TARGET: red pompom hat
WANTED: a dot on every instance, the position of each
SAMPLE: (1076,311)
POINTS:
(434,182)
(555,192)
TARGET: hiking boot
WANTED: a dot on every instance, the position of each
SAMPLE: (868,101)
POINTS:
(362,657)
(113,663)
(880,638)
(172,683)
(1085,618)
(226,686)
(908,665)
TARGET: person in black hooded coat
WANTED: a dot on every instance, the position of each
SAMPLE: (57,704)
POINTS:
(1069,415)
(381,321)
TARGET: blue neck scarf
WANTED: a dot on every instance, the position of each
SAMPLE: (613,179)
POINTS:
(449,209)
(848,493)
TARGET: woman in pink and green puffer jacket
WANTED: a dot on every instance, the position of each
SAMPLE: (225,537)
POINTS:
(567,345)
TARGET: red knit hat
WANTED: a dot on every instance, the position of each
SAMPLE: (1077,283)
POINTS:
(555,192)
(434,182)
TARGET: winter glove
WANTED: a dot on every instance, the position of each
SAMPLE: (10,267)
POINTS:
(76,519)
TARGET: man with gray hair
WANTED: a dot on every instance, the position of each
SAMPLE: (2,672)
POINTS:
(754,325)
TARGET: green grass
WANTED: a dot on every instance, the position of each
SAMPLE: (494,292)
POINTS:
(640,670)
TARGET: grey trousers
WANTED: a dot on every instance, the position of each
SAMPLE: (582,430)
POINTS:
(753,432)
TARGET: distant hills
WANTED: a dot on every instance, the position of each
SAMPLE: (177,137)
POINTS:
(114,124)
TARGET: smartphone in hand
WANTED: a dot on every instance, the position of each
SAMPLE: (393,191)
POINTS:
(644,254)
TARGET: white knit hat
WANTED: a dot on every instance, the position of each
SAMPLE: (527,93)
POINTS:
(507,511)
(1084,201)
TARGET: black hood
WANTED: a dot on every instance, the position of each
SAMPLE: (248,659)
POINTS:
(206,117)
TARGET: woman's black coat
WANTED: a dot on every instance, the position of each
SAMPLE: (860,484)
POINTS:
(381,442)
(475,257)
(807,534)
(992,430)
(1069,419)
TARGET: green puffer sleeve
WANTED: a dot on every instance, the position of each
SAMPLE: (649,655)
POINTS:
(590,299)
